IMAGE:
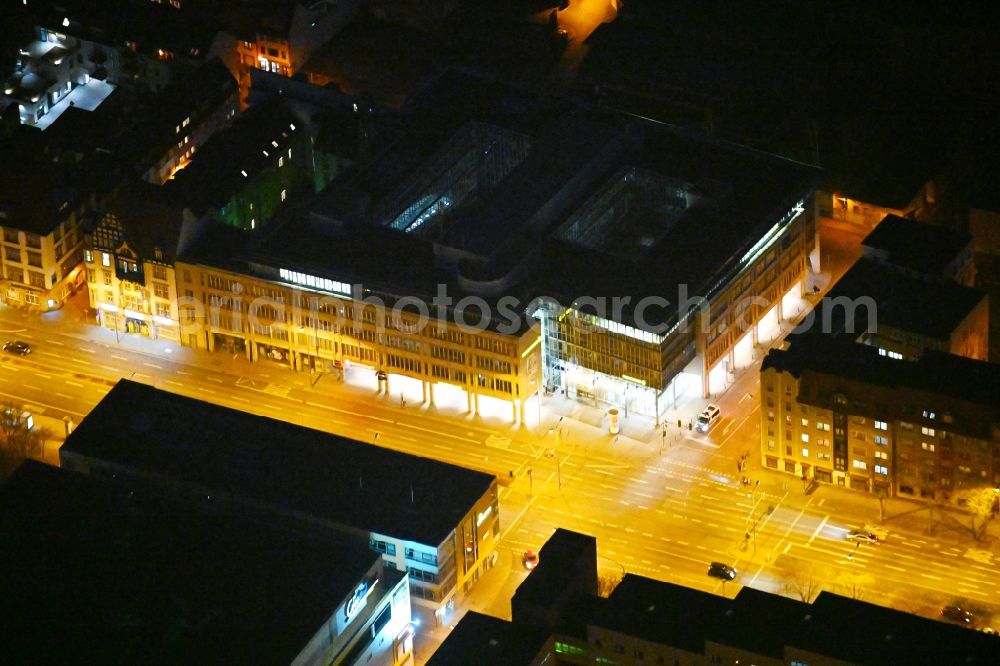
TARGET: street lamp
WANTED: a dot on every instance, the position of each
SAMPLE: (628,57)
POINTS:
(558,430)
(751,531)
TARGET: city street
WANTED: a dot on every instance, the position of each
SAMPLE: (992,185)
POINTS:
(660,506)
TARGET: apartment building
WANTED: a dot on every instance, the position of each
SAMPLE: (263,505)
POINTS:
(168,579)
(183,118)
(839,412)
(436,522)
(245,172)
(280,36)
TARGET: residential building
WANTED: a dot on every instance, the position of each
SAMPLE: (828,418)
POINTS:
(922,250)
(43,205)
(185,115)
(245,172)
(903,315)
(145,43)
(144,579)
(437,522)
(644,621)
(130,265)
(839,412)
(280,36)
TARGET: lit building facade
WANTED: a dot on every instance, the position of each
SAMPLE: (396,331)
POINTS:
(42,254)
(326,326)
(403,505)
(244,173)
(840,413)
(130,272)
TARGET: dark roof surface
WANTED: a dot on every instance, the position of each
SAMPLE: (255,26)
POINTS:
(935,372)
(215,173)
(660,612)
(489,641)
(290,467)
(862,633)
(758,622)
(933,308)
(123,579)
(148,222)
(916,246)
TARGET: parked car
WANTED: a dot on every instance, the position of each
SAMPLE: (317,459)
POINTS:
(862,536)
(19,347)
(720,570)
(529,559)
(709,416)
(957,614)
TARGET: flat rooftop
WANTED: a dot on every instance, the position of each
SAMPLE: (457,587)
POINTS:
(331,478)
(933,308)
(660,612)
(858,632)
(96,574)
(493,641)
(916,246)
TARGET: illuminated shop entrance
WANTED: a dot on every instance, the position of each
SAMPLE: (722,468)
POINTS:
(605,390)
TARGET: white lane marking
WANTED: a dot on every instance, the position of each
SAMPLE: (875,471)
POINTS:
(55,342)
(818,528)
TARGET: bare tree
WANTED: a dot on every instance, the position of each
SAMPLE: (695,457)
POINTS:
(801,581)
(853,585)
(607,582)
(980,503)
(19,439)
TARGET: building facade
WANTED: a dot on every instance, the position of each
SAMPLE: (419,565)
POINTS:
(403,505)
(317,324)
(129,264)
(848,416)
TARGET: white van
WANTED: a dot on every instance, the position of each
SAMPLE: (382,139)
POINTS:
(709,416)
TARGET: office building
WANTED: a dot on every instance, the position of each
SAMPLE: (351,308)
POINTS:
(437,522)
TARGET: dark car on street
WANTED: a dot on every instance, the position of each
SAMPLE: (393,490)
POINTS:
(957,614)
(18,347)
(720,570)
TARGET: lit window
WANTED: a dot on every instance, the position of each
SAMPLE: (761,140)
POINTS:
(281,161)
(805,453)
(253,222)
(881,469)
(105,259)
(88,256)
(177,130)
(881,440)
(927,446)
(805,437)
(896,355)
(823,426)
(284,193)
(289,153)
(927,431)
(860,464)
(881,425)
(882,455)
(805,423)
